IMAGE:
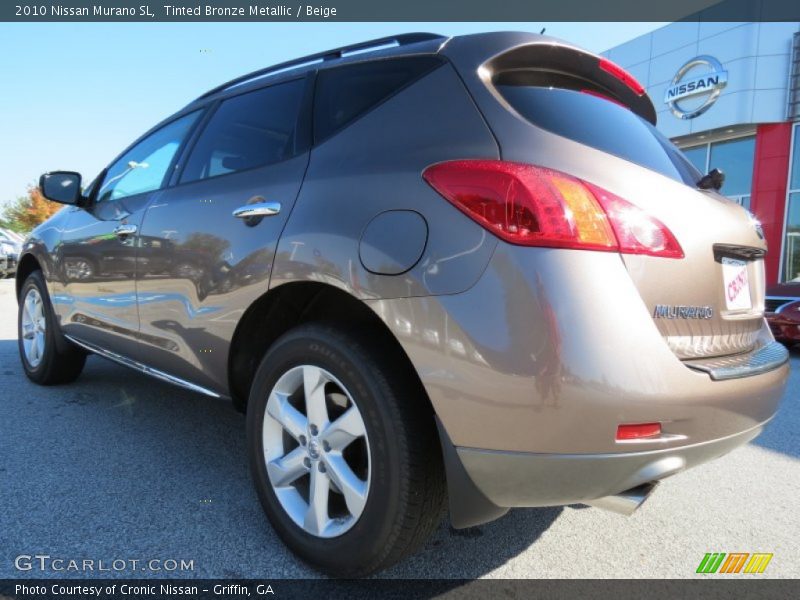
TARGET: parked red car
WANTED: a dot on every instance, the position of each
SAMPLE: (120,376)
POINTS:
(782,310)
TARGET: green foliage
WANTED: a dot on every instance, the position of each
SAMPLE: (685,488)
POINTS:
(26,212)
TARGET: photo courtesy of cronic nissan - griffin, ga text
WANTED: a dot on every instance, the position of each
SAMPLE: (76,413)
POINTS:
(463,272)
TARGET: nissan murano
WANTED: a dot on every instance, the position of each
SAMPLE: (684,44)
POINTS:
(426,268)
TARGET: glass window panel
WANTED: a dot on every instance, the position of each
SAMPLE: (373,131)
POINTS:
(745,201)
(601,124)
(697,156)
(735,159)
(791,247)
(795,180)
(345,93)
(142,168)
(248,131)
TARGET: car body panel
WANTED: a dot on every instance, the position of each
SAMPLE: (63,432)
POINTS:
(514,479)
(11,248)
(385,151)
(782,310)
(209,267)
(549,373)
(97,273)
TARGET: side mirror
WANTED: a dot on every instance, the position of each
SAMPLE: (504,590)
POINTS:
(712,180)
(63,187)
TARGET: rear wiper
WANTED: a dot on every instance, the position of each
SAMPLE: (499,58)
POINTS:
(712,180)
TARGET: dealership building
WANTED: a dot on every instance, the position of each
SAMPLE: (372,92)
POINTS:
(729,95)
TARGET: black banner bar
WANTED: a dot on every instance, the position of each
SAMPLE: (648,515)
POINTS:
(206,589)
(397,10)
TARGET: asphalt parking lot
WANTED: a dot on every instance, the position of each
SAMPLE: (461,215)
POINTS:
(121,466)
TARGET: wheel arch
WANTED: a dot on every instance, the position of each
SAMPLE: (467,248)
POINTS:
(295,303)
(27,265)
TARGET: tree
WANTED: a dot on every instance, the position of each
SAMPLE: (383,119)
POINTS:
(26,212)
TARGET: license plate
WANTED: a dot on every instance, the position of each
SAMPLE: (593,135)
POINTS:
(737,285)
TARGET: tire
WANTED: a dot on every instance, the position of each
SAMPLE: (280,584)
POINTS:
(59,361)
(404,482)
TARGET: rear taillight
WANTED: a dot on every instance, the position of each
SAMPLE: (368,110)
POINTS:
(618,72)
(534,206)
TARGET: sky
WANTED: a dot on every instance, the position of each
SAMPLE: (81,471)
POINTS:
(72,96)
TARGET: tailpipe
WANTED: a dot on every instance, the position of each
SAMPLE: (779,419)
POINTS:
(625,503)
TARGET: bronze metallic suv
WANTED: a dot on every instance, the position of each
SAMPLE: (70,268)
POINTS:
(421,265)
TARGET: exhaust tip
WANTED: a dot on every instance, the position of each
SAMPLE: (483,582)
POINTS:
(625,503)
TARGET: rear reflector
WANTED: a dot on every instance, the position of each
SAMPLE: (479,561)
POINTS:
(637,431)
(621,74)
(534,206)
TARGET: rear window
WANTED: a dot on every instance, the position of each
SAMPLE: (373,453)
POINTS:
(601,124)
(345,93)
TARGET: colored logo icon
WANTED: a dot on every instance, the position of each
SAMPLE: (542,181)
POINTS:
(735,562)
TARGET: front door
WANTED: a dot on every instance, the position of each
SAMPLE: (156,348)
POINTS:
(99,245)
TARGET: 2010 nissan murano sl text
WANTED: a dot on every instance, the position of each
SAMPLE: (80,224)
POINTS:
(425,267)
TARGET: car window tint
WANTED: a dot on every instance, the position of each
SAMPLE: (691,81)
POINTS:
(143,167)
(344,93)
(247,131)
(601,124)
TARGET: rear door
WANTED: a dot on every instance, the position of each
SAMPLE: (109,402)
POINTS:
(200,265)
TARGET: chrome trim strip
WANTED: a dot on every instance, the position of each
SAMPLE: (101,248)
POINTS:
(260,209)
(766,358)
(142,368)
(664,437)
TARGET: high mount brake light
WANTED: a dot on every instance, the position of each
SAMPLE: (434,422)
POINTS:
(618,72)
(535,206)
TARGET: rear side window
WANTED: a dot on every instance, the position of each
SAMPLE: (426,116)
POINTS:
(248,131)
(601,124)
(345,93)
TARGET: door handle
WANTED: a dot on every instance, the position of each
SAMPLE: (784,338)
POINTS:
(259,209)
(124,230)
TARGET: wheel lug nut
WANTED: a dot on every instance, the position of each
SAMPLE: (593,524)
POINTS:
(313,429)
(326,446)
(303,440)
(321,468)
(307,462)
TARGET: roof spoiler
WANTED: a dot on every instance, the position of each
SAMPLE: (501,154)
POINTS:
(523,62)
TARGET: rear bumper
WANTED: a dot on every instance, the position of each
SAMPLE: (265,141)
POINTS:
(551,350)
(532,370)
(517,479)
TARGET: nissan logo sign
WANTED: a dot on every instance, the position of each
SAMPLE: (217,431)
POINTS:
(702,78)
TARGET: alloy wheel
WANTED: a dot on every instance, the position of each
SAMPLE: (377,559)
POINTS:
(316,451)
(34,327)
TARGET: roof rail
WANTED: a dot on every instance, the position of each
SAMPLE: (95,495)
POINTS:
(402,39)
